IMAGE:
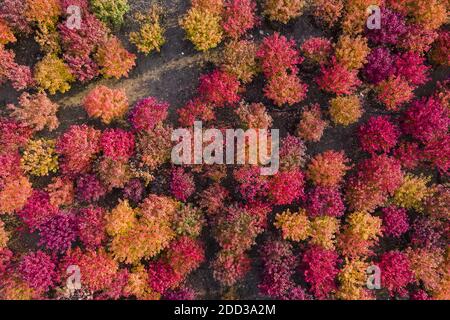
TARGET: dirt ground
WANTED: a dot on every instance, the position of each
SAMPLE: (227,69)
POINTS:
(172,75)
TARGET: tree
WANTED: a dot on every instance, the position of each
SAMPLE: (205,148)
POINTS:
(78,147)
(238,17)
(106,104)
(114,60)
(320,269)
(182,184)
(294,226)
(317,49)
(286,187)
(150,36)
(278,55)
(285,89)
(425,120)
(282,10)
(328,168)
(38,270)
(393,28)
(337,79)
(39,157)
(59,232)
(52,74)
(394,92)
(239,59)
(328,12)
(37,210)
(345,110)
(147,113)
(378,135)
(396,272)
(202,28)
(36,111)
(395,221)
(351,52)
(111,12)
(219,88)
(117,144)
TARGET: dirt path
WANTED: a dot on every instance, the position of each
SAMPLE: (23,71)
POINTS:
(141,86)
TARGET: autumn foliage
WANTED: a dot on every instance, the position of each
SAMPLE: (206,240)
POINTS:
(283,11)
(360,150)
(106,104)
